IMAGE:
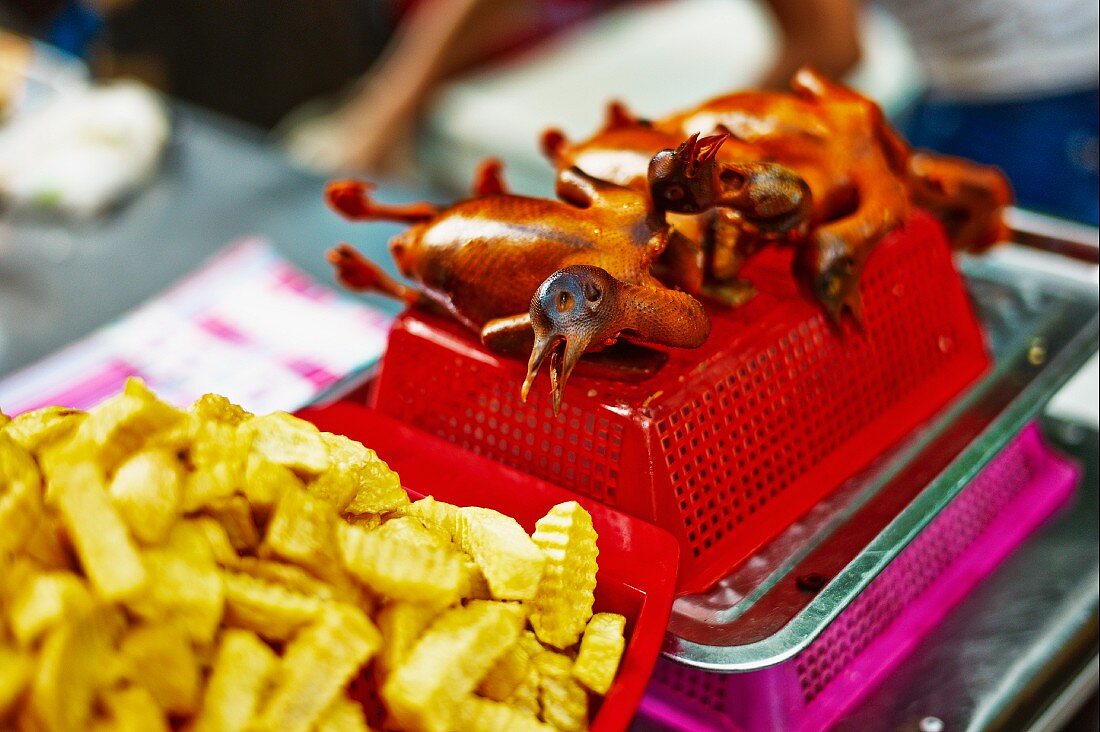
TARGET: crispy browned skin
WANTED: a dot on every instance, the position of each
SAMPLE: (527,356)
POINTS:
(861,175)
(568,275)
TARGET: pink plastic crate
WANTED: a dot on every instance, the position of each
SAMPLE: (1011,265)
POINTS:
(993,515)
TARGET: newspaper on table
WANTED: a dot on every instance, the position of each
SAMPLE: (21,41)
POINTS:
(246,324)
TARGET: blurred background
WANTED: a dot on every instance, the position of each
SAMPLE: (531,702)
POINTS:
(140,138)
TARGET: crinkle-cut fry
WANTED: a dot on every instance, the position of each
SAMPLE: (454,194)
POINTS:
(435,514)
(15,673)
(317,665)
(343,715)
(133,709)
(302,530)
(121,425)
(486,715)
(600,652)
(448,662)
(357,480)
(147,490)
(266,608)
(242,669)
(235,515)
(216,408)
(103,545)
(510,561)
(76,661)
(43,601)
(159,657)
(188,586)
(400,570)
(506,674)
(409,531)
(401,625)
(219,454)
(40,428)
(289,441)
(565,597)
(265,481)
(564,702)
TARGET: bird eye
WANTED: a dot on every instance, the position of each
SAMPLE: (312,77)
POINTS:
(674,193)
(565,301)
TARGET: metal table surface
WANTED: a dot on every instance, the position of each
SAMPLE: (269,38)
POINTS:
(1017,654)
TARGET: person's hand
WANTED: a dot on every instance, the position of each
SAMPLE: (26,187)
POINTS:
(374,133)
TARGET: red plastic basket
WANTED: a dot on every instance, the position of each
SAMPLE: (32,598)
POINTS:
(728,444)
(637,575)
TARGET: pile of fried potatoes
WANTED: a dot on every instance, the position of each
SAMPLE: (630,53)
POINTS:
(207,569)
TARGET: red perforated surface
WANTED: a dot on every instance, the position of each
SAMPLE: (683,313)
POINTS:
(729,443)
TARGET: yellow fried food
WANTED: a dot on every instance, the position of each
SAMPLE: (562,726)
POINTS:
(343,715)
(76,661)
(267,608)
(486,715)
(40,428)
(563,701)
(289,441)
(206,569)
(188,587)
(41,602)
(242,669)
(448,661)
(563,603)
(510,561)
(600,651)
(15,674)
(106,549)
(506,674)
(357,481)
(400,569)
(302,530)
(133,709)
(147,491)
(316,666)
(401,625)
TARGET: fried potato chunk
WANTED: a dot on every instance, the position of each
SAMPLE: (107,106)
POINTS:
(510,561)
(400,568)
(103,544)
(486,715)
(147,490)
(43,601)
(133,709)
(563,701)
(448,662)
(243,666)
(565,597)
(357,481)
(600,652)
(316,666)
(289,441)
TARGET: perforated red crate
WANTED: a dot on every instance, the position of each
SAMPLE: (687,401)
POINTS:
(637,561)
(730,443)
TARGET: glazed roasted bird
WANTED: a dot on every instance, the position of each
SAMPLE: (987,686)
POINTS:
(557,277)
(860,174)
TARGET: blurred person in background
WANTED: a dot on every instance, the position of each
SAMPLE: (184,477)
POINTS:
(1011,83)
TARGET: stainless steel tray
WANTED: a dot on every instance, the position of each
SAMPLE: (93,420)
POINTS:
(1041,322)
